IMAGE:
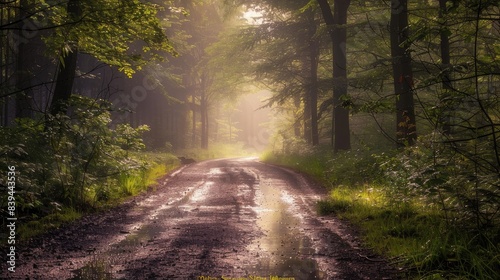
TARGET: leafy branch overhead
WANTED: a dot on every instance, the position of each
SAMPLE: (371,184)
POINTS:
(125,34)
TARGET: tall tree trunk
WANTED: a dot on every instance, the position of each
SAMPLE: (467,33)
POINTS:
(402,74)
(336,22)
(306,98)
(296,124)
(3,107)
(445,67)
(313,77)
(205,139)
(24,66)
(67,68)
(181,139)
(7,64)
(307,116)
(204,119)
(313,91)
(230,129)
(193,123)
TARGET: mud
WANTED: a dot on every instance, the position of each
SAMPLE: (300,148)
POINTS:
(218,219)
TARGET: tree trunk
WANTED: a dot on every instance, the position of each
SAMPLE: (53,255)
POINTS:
(181,116)
(402,74)
(7,63)
(230,129)
(336,22)
(307,117)
(313,92)
(67,68)
(296,124)
(445,67)
(204,119)
(313,78)
(193,124)
(24,66)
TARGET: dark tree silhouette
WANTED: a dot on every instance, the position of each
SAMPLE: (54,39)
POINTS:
(336,22)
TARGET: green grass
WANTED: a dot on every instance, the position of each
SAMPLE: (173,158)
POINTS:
(414,235)
(133,183)
(98,268)
(101,197)
(309,162)
(136,181)
(54,220)
(389,230)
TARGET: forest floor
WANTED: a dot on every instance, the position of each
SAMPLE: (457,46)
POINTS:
(217,219)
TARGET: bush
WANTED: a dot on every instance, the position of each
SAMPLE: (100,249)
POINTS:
(74,160)
(467,193)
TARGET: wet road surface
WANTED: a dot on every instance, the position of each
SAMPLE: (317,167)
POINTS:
(218,219)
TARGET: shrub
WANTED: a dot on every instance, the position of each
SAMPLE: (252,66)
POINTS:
(72,159)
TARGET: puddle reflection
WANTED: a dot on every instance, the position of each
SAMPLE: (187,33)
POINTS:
(283,250)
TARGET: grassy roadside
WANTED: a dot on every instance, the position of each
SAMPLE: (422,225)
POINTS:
(414,235)
(127,185)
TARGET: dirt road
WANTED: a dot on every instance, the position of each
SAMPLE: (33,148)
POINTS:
(218,219)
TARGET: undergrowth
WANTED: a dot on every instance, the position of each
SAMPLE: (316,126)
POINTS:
(75,163)
(42,225)
(105,196)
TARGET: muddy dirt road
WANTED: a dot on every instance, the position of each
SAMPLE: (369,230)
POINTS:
(218,219)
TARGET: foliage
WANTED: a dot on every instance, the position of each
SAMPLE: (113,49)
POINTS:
(297,154)
(467,193)
(99,31)
(69,160)
(344,168)
(29,229)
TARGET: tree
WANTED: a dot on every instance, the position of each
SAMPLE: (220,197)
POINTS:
(25,61)
(289,44)
(445,62)
(406,130)
(94,26)
(205,32)
(336,23)
(204,67)
(67,66)
(311,83)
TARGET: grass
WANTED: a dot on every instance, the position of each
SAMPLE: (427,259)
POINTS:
(54,220)
(415,236)
(388,229)
(98,268)
(101,197)
(133,182)
(309,162)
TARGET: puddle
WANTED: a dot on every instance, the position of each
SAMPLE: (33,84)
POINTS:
(284,250)
(199,193)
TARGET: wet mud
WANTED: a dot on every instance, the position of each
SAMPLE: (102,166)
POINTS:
(218,219)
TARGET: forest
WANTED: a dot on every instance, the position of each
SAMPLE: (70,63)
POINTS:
(391,105)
